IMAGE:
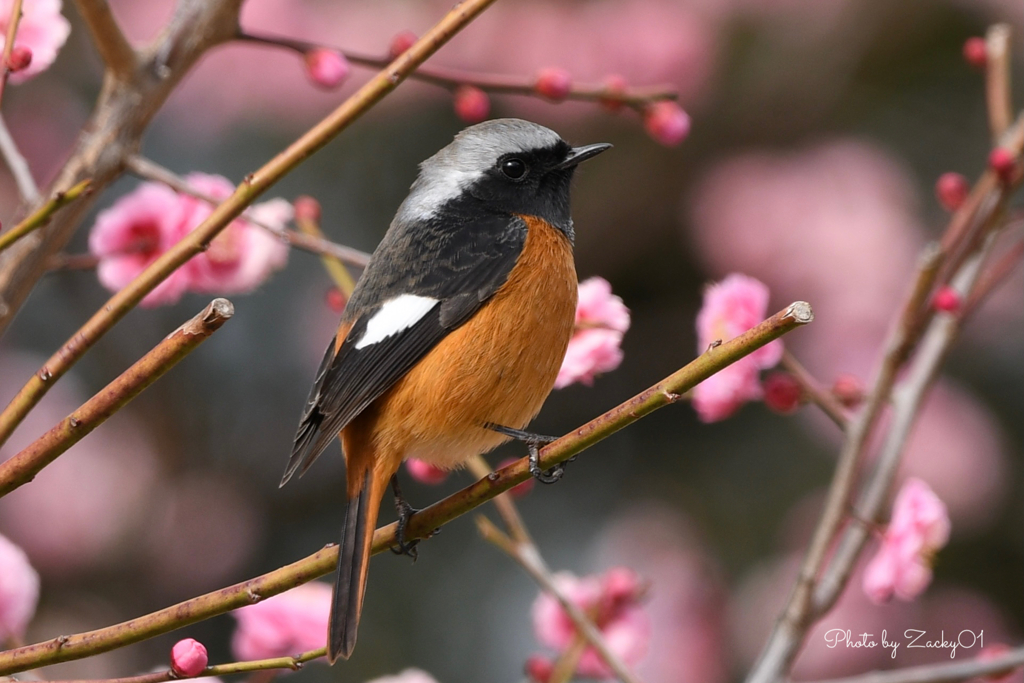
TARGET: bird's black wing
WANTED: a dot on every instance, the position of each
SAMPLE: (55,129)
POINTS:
(459,262)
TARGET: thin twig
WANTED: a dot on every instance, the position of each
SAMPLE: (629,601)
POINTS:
(998,87)
(479,468)
(42,215)
(943,673)
(16,162)
(251,187)
(150,170)
(291,663)
(817,394)
(12,32)
(991,278)
(115,50)
(23,467)
(529,558)
(449,78)
(422,524)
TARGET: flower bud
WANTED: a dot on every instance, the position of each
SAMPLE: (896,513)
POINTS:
(326,68)
(951,189)
(667,123)
(553,83)
(471,104)
(188,657)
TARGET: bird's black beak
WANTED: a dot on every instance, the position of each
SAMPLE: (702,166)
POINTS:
(578,154)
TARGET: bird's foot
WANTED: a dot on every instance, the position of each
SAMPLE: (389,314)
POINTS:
(405,513)
(533,443)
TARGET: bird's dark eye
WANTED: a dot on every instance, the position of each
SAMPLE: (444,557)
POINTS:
(513,168)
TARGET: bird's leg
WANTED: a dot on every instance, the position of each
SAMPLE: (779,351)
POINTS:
(533,443)
(405,513)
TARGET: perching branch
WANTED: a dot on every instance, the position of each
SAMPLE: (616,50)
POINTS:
(114,49)
(669,390)
(23,467)
(42,215)
(943,673)
(150,170)
(251,187)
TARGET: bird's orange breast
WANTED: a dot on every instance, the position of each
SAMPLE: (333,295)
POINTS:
(497,367)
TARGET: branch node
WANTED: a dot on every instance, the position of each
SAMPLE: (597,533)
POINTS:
(800,311)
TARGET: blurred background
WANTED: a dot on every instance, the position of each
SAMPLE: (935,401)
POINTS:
(819,128)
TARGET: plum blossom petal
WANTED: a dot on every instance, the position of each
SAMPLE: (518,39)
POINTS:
(612,600)
(601,320)
(133,233)
(918,529)
(243,255)
(731,307)
(286,624)
(19,591)
(42,30)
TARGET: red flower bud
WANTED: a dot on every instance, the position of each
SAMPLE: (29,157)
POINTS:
(471,104)
(946,299)
(326,68)
(401,42)
(188,657)
(667,123)
(1002,162)
(614,87)
(307,209)
(20,58)
(849,390)
(539,669)
(975,53)
(336,300)
(553,83)
(951,189)
(782,393)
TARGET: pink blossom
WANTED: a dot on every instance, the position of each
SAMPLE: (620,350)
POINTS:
(471,104)
(918,529)
(601,320)
(553,83)
(407,676)
(19,592)
(242,255)
(188,657)
(731,307)
(425,472)
(667,123)
(132,234)
(42,31)
(284,625)
(975,53)
(326,68)
(612,601)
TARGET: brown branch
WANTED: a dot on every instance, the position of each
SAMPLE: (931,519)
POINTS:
(450,78)
(251,187)
(146,168)
(18,166)
(990,279)
(43,214)
(114,49)
(943,673)
(422,524)
(23,467)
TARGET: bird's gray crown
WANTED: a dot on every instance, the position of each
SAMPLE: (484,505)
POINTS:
(476,149)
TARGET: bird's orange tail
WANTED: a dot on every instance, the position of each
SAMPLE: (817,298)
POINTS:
(353,562)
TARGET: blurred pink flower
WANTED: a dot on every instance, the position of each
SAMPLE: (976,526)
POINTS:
(553,83)
(836,224)
(686,603)
(133,233)
(407,676)
(667,123)
(731,307)
(20,59)
(424,472)
(612,601)
(951,189)
(601,320)
(189,657)
(286,624)
(326,68)
(782,392)
(42,29)
(243,255)
(19,592)
(918,529)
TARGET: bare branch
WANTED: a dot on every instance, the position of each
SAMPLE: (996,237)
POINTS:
(114,49)
(43,214)
(943,673)
(818,395)
(23,178)
(998,87)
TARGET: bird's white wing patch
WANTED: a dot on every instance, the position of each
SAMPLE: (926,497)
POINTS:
(395,315)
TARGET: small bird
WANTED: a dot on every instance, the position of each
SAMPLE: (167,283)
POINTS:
(454,334)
